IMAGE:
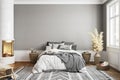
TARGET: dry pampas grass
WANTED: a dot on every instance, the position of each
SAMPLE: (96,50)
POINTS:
(97,41)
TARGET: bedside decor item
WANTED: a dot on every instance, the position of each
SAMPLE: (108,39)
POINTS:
(97,44)
(103,66)
(86,56)
(32,50)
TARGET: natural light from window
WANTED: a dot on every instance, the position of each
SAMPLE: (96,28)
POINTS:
(113,25)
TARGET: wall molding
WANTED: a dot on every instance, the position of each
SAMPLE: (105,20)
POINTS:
(60,1)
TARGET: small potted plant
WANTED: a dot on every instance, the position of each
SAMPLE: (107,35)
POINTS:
(97,44)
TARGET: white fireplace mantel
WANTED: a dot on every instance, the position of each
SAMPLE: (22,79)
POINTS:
(7,19)
(6,26)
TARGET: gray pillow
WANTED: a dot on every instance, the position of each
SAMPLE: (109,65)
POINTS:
(74,47)
(65,47)
(54,45)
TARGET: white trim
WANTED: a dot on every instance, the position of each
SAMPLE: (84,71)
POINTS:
(107,28)
(59,1)
(108,23)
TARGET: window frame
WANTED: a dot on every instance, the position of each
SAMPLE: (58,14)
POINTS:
(108,23)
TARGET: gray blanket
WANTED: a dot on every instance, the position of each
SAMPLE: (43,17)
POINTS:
(72,61)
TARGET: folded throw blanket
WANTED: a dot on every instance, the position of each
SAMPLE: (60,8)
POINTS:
(72,61)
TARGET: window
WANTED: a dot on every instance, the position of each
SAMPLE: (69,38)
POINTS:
(113,24)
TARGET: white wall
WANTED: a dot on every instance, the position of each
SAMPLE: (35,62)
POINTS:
(114,57)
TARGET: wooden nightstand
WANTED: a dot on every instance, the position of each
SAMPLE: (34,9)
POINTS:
(86,56)
(33,57)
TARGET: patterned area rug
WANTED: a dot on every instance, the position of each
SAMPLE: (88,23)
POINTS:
(24,73)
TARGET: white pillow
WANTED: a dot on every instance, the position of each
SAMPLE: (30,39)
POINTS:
(50,44)
(55,46)
(48,47)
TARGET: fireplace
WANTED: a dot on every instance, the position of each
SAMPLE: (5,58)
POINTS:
(7,48)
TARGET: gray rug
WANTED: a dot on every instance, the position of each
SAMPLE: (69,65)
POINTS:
(24,73)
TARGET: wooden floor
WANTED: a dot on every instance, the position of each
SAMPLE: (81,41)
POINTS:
(112,72)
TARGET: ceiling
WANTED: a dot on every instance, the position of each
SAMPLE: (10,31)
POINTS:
(60,1)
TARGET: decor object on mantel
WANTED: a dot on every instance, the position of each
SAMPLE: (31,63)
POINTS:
(97,44)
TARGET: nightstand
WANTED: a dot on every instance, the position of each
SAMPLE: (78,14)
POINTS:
(86,56)
(33,57)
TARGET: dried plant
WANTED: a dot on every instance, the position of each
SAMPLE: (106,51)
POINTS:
(97,41)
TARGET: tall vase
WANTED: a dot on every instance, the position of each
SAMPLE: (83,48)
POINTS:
(97,57)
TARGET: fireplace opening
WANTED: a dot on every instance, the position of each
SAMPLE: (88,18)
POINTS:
(7,48)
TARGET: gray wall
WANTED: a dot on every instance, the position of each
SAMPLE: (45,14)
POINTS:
(37,24)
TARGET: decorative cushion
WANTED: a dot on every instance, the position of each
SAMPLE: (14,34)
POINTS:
(65,47)
(55,44)
(74,47)
(50,44)
(48,47)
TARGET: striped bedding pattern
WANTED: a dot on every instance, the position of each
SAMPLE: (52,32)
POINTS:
(24,73)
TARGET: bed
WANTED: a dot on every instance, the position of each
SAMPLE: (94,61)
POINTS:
(59,56)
